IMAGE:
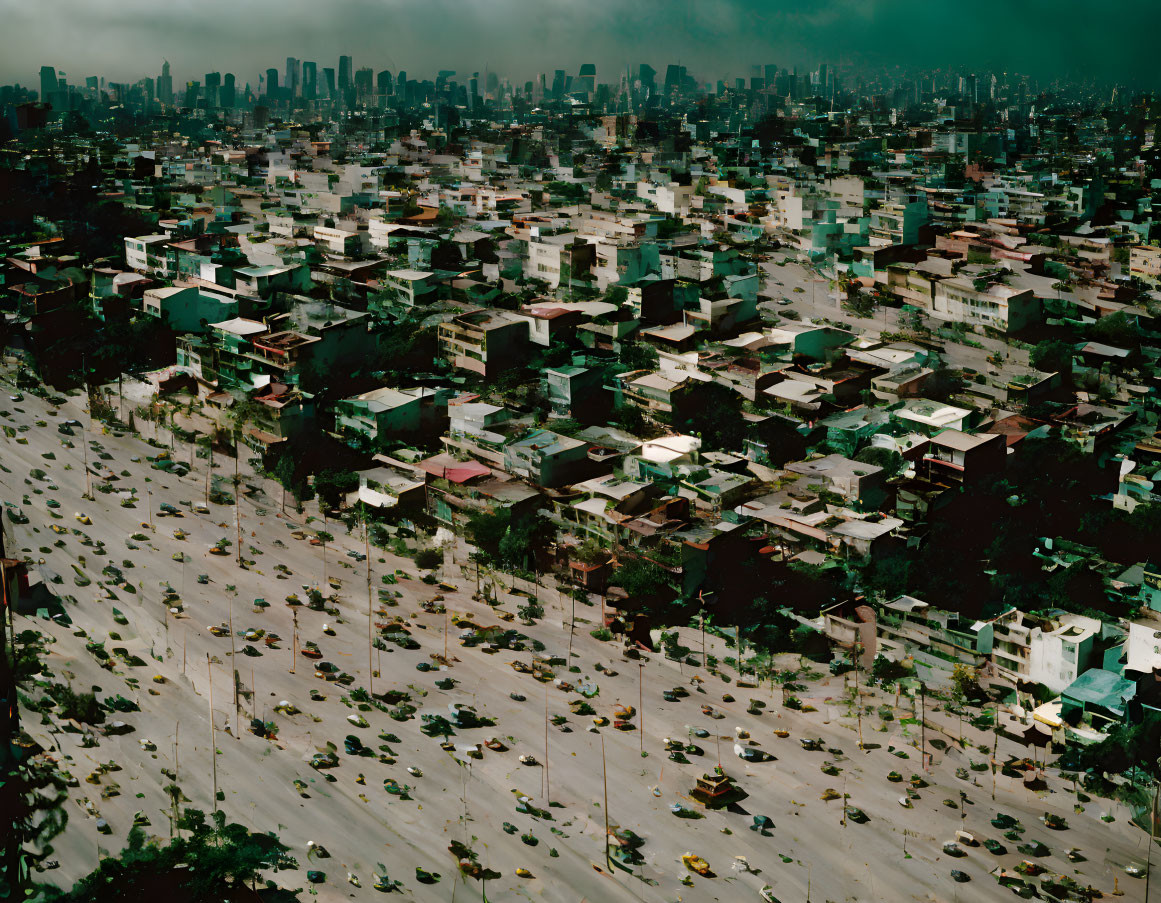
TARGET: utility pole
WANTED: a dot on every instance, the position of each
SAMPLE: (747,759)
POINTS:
(294,642)
(858,697)
(641,703)
(234,668)
(1152,832)
(84,441)
(209,468)
(370,610)
(995,749)
(571,625)
(923,726)
(237,500)
(605,783)
(547,785)
(213,731)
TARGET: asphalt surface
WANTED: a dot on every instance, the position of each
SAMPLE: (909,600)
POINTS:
(457,797)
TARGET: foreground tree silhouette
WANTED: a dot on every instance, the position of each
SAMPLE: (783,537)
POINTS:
(209,860)
(32,796)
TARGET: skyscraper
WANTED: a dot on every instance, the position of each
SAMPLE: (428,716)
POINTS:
(647,75)
(227,95)
(47,83)
(383,83)
(346,74)
(293,80)
(329,83)
(364,82)
(165,85)
(213,89)
(588,77)
(309,80)
(271,84)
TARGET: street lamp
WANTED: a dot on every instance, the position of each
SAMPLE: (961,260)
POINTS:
(1152,829)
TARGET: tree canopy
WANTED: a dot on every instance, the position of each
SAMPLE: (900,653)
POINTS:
(206,861)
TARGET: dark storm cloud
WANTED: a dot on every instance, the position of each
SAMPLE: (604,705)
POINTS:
(126,39)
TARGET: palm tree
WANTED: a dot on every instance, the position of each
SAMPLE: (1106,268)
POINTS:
(242,413)
(783,678)
(762,665)
(324,537)
(207,442)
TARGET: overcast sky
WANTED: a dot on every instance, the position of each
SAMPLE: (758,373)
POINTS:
(124,40)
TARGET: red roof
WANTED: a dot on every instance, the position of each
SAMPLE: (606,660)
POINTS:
(455,471)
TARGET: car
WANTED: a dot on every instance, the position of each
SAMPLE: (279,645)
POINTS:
(19,396)
(52,503)
(16,515)
(961,877)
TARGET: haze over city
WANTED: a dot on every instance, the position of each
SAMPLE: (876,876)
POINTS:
(520,38)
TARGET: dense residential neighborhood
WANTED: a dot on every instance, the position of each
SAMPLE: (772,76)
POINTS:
(862,368)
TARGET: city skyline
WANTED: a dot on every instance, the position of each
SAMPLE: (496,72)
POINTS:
(714,40)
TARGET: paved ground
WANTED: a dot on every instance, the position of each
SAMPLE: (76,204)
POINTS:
(458,798)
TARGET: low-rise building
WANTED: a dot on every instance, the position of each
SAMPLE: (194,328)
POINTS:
(545,458)
(377,418)
(187,308)
(485,341)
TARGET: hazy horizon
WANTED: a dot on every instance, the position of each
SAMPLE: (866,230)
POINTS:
(125,40)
